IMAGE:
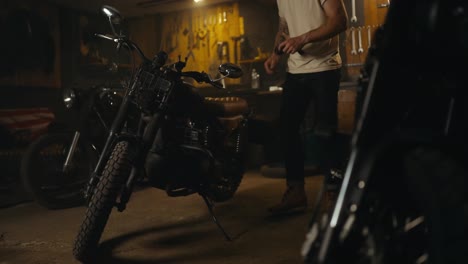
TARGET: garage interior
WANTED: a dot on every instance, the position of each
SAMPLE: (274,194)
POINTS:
(50,47)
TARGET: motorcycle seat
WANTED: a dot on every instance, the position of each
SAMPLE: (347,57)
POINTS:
(226,106)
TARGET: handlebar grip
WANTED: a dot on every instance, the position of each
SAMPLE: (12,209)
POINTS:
(104,37)
(217,85)
(202,77)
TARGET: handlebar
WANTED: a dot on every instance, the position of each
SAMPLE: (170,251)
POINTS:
(123,40)
(105,37)
(202,77)
(198,76)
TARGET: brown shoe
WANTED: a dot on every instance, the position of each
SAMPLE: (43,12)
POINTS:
(294,199)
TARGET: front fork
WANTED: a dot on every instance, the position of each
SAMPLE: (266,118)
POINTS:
(143,139)
(116,128)
(148,133)
(71,152)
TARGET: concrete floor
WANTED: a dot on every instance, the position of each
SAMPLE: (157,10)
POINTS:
(156,228)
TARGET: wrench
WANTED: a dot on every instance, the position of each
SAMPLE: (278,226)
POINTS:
(353,42)
(369,37)
(353,11)
(360,49)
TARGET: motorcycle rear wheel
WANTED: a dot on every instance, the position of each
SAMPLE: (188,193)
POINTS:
(103,199)
(42,172)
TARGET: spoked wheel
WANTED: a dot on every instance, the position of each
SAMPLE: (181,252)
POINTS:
(42,171)
(411,211)
(103,199)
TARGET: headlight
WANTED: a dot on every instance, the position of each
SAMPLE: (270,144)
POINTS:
(69,97)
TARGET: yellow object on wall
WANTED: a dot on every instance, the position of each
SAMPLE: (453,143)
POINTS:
(204,36)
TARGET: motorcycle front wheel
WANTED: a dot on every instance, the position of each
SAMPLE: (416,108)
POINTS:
(104,197)
(42,172)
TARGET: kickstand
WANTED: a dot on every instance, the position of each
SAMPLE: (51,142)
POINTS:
(210,208)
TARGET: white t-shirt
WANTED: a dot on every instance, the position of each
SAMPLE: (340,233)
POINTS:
(301,17)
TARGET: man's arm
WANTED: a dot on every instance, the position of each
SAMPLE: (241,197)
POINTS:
(336,21)
(272,61)
(282,34)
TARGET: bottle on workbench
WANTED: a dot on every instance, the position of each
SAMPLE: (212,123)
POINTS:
(255,79)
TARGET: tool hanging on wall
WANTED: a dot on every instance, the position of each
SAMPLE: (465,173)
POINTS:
(360,49)
(190,38)
(203,30)
(353,11)
(236,41)
(196,44)
(353,42)
(220,18)
(172,36)
(223,51)
(369,37)
(211,40)
(208,48)
(213,24)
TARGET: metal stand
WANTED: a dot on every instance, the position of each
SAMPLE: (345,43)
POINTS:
(210,208)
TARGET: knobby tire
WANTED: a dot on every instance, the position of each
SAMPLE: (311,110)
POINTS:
(104,198)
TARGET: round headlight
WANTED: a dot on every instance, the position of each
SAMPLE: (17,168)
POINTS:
(69,97)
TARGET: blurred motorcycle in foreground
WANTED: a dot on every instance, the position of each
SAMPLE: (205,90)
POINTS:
(403,196)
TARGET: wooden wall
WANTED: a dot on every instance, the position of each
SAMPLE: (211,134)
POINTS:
(211,30)
(237,32)
(30,44)
(204,35)
(361,32)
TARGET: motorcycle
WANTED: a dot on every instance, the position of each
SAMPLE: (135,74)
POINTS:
(167,132)
(402,198)
(56,167)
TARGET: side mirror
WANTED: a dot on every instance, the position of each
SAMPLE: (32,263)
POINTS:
(112,13)
(230,70)
(114,17)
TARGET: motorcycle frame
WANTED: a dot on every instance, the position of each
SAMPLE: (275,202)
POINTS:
(145,133)
(88,108)
(150,112)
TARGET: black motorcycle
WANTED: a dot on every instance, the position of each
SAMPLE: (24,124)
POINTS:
(403,196)
(164,130)
(55,168)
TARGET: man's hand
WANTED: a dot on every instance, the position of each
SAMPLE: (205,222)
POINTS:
(291,45)
(271,63)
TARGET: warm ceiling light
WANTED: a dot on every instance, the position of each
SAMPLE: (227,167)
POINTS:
(196,1)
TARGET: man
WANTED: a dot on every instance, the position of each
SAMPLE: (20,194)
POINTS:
(308,33)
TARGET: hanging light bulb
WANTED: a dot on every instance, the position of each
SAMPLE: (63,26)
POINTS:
(196,1)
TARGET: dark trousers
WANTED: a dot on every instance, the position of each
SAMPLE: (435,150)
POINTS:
(299,90)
